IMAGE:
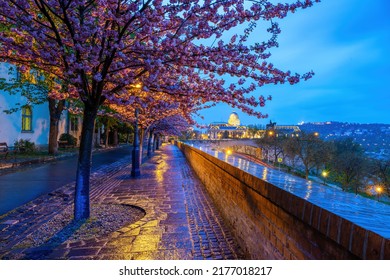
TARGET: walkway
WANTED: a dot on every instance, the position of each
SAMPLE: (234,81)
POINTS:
(180,222)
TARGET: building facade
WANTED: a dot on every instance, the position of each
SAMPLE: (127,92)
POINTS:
(31,122)
(283,130)
(230,129)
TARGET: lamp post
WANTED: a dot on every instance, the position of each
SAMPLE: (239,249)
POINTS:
(135,170)
(324,174)
(135,160)
(280,160)
(272,136)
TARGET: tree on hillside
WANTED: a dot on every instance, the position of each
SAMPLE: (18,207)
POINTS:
(380,169)
(254,130)
(347,163)
(310,150)
(102,49)
(272,144)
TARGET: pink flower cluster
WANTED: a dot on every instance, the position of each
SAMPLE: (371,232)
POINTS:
(102,49)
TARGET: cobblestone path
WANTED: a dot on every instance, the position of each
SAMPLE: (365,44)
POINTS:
(181,221)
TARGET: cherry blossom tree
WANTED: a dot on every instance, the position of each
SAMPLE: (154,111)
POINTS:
(146,118)
(102,48)
(173,125)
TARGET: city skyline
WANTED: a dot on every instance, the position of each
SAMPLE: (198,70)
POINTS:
(346,44)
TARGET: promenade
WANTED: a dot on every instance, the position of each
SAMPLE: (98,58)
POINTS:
(179,219)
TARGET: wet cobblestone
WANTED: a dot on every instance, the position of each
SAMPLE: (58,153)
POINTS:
(181,221)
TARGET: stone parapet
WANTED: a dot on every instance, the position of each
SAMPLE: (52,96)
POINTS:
(271,223)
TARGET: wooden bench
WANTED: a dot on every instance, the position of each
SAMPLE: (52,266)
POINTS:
(4,149)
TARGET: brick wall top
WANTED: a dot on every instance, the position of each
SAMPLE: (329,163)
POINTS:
(359,240)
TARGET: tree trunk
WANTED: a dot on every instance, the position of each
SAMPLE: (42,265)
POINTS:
(275,156)
(150,143)
(157,142)
(97,137)
(106,131)
(115,140)
(53,136)
(141,143)
(154,142)
(135,166)
(55,111)
(81,200)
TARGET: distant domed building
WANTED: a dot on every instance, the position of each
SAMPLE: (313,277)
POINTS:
(234,120)
(231,129)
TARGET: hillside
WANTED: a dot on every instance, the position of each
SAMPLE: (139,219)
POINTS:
(374,138)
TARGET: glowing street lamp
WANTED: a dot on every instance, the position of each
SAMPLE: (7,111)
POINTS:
(324,174)
(378,190)
(228,152)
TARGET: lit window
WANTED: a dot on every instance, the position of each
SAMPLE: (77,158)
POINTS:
(26,119)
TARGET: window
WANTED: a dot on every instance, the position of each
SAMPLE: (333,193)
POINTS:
(26,119)
(74,123)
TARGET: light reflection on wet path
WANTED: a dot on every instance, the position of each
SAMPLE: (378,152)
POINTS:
(367,213)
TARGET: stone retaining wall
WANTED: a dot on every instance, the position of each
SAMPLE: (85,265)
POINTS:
(248,150)
(270,223)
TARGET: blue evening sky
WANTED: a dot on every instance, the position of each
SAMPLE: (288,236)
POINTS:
(347,44)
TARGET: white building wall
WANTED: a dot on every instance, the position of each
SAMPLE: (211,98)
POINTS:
(11,124)
(65,127)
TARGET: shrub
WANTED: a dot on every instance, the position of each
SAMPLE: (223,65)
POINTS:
(69,138)
(24,146)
